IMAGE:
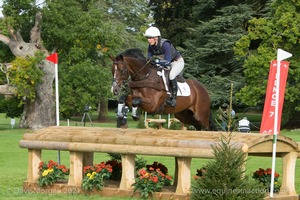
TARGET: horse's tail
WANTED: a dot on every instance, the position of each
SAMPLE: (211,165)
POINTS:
(212,125)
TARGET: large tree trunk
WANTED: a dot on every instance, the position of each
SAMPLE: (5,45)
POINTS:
(40,113)
(103,110)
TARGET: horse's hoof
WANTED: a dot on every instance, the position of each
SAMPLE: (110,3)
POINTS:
(136,117)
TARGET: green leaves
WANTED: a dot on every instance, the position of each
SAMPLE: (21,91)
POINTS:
(224,177)
(259,46)
(25,76)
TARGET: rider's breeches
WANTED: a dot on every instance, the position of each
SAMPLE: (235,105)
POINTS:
(176,67)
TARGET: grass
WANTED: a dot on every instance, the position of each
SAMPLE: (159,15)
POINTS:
(13,161)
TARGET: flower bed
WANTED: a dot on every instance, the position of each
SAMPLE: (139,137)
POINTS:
(264,177)
(51,173)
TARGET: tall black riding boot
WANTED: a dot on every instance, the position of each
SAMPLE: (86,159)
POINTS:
(173,86)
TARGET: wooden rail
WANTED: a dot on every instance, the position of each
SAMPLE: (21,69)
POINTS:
(157,121)
(82,142)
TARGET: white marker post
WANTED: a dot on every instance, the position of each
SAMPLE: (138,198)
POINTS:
(54,59)
(281,55)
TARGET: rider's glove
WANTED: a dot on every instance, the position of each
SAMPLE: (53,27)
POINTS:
(162,63)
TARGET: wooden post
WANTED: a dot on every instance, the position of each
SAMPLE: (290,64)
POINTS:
(34,158)
(76,167)
(288,173)
(184,175)
(128,171)
(88,158)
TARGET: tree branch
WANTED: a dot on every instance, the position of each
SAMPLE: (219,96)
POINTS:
(4,39)
(35,33)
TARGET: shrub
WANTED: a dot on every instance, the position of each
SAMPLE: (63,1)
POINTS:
(224,177)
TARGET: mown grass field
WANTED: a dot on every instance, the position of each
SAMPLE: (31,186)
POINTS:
(13,162)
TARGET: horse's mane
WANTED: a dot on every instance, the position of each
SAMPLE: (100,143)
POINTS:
(134,52)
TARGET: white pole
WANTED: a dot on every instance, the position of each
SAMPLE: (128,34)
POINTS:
(277,81)
(56,95)
(145,118)
(169,123)
(281,55)
(57,104)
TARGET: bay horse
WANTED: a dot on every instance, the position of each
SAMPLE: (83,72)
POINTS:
(149,90)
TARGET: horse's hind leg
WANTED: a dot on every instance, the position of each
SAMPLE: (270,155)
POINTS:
(188,117)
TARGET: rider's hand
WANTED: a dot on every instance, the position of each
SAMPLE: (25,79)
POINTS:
(162,63)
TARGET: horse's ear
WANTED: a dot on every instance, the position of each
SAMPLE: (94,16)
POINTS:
(119,57)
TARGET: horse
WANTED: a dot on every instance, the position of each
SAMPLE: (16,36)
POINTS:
(149,90)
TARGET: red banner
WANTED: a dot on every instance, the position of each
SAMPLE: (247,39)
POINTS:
(53,58)
(268,117)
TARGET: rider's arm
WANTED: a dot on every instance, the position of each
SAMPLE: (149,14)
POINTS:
(166,48)
(150,55)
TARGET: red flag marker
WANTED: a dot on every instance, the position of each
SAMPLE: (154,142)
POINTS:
(53,58)
(268,117)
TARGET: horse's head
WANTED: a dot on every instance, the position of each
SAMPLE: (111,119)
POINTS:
(131,63)
(120,74)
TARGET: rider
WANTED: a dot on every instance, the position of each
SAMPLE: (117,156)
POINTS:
(168,55)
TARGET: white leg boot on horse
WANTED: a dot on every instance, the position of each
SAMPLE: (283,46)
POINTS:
(134,114)
(173,86)
(120,109)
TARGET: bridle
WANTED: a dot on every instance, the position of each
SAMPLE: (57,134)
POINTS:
(124,72)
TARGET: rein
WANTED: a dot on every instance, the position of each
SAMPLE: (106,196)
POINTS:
(136,73)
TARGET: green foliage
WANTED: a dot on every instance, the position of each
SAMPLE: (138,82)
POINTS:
(52,172)
(209,54)
(25,76)
(175,126)
(20,15)
(85,75)
(11,107)
(258,48)
(172,18)
(94,176)
(225,177)
(80,85)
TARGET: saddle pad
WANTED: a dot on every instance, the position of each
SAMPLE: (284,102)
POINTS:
(183,89)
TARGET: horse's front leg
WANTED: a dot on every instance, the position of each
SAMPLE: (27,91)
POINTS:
(134,114)
(122,111)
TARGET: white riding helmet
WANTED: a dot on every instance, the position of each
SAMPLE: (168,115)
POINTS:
(152,32)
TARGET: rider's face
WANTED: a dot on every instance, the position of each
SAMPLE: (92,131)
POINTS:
(152,40)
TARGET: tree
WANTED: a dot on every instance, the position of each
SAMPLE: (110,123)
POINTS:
(258,48)
(38,111)
(173,18)
(103,33)
(224,177)
(209,52)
